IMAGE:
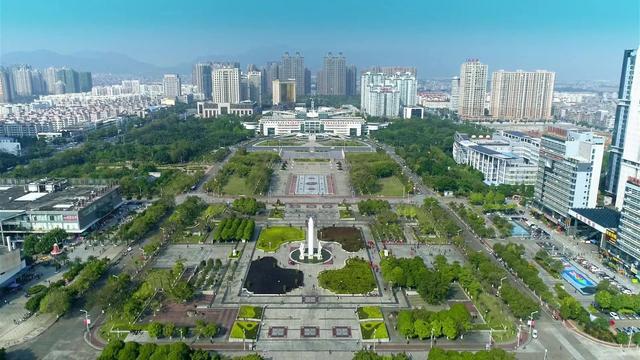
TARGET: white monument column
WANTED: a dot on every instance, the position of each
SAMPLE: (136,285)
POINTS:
(310,234)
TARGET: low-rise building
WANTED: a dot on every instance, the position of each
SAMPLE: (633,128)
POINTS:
(343,121)
(209,109)
(10,145)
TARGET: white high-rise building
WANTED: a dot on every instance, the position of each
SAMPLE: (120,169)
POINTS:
(455,93)
(522,95)
(568,172)
(49,77)
(384,95)
(407,86)
(22,81)
(172,85)
(472,90)
(226,85)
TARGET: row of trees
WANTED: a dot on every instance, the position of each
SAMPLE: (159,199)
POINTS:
(119,350)
(512,254)
(247,206)
(475,221)
(147,220)
(186,213)
(254,168)
(373,206)
(422,324)
(505,228)
(43,244)
(158,330)
(493,354)
(491,201)
(610,299)
(431,284)
(235,229)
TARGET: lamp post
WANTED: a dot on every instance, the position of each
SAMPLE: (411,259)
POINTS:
(545,354)
(431,338)
(531,320)
(86,321)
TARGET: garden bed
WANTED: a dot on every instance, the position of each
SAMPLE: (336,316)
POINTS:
(349,237)
(248,312)
(370,313)
(374,331)
(242,330)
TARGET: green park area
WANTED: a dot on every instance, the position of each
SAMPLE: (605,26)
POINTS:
(244,174)
(271,238)
(376,174)
(369,312)
(245,330)
(355,277)
(338,142)
(374,330)
(237,185)
(250,312)
(280,142)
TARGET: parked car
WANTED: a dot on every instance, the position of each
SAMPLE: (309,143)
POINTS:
(534,334)
(614,315)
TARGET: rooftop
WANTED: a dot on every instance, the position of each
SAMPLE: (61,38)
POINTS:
(15,198)
(605,217)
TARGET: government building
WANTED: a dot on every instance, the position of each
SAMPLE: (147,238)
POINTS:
(342,121)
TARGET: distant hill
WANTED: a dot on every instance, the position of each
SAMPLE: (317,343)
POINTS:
(94,61)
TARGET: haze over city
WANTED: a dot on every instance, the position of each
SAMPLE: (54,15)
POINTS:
(575,38)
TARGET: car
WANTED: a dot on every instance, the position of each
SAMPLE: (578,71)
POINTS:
(614,315)
(534,334)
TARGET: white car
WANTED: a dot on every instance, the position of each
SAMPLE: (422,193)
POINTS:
(534,334)
(614,315)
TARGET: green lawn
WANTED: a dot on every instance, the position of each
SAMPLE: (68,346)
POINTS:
(271,238)
(237,186)
(355,277)
(250,330)
(250,312)
(369,312)
(373,330)
(390,186)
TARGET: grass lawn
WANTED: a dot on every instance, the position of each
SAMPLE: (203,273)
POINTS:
(237,186)
(250,312)
(271,238)
(390,186)
(373,330)
(250,330)
(369,312)
(355,277)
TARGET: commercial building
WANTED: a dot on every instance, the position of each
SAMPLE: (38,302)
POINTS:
(623,161)
(473,89)
(497,158)
(209,109)
(226,85)
(413,112)
(455,94)
(11,262)
(172,85)
(284,91)
(342,122)
(522,95)
(332,79)
(568,172)
(39,207)
(202,78)
(292,67)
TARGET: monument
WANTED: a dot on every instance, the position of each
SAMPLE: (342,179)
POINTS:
(310,251)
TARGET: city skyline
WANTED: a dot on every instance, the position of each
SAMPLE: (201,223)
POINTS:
(515,36)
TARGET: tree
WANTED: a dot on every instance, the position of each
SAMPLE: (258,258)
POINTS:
(146,350)
(178,351)
(604,298)
(182,291)
(110,352)
(57,301)
(200,354)
(422,329)
(449,328)
(200,328)
(155,329)
(405,323)
(436,326)
(129,351)
(168,330)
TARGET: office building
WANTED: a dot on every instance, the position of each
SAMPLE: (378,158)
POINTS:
(455,94)
(10,145)
(172,85)
(209,109)
(284,91)
(625,247)
(343,121)
(42,206)
(254,87)
(292,67)
(522,95)
(568,172)
(22,80)
(202,78)
(332,79)
(498,157)
(472,89)
(85,82)
(352,80)
(226,85)
(627,125)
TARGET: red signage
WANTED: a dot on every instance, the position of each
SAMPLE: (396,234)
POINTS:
(70,218)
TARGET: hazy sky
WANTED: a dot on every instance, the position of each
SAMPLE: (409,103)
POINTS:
(579,39)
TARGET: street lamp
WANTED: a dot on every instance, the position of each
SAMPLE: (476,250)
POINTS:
(531,320)
(86,320)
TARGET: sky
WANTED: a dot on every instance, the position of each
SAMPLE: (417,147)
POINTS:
(579,39)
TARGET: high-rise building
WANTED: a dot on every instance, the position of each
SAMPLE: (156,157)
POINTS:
(352,80)
(22,80)
(568,172)
(172,85)
(269,73)
(226,85)
(49,77)
(522,95)
(627,244)
(292,67)
(254,86)
(5,87)
(307,81)
(455,94)
(85,82)
(37,83)
(626,131)
(202,78)
(69,78)
(472,90)
(384,95)
(284,91)
(332,79)
(130,86)
(391,70)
